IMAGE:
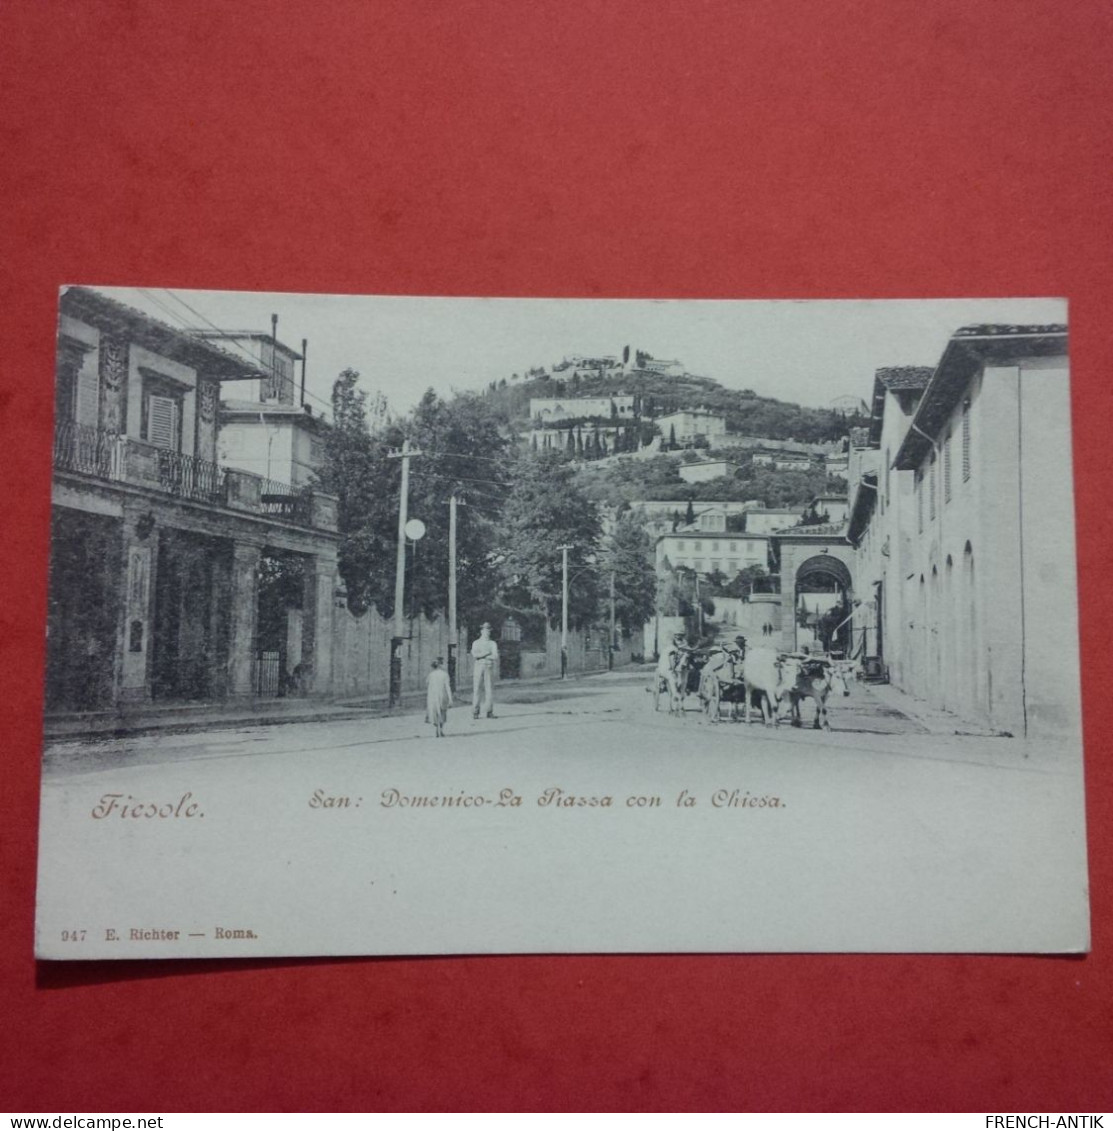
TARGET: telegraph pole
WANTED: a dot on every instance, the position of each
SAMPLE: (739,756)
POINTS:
(699,611)
(405,455)
(610,649)
(564,548)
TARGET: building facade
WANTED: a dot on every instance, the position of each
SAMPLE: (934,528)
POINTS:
(172,578)
(768,520)
(550,410)
(880,523)
(713,552)
(694,424)
(985,622)
(706,469)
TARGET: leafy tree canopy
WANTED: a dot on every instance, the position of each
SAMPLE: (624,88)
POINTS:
(544,510)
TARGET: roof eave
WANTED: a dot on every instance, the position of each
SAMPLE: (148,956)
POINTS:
(966,353)
(110,314)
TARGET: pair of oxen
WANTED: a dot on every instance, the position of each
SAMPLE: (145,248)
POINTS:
(773,680)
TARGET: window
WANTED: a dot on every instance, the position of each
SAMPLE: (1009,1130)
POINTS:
(734,547)
(697,565)
(715,564)
(715,547)
(966,439)
(947,469)
(279,386)
(680,544)
(163,419)
(162,412)
(697,545)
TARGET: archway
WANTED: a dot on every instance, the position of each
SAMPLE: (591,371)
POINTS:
(822,602)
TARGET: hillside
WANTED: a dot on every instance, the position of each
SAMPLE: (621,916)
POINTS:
(746,412)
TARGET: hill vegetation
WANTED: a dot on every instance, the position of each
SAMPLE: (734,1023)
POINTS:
(657,394)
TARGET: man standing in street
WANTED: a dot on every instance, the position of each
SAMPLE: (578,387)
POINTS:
(484,655)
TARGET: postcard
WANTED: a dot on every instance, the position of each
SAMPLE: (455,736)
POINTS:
(402,625)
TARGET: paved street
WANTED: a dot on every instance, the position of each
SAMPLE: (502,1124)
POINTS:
(608,711)
(577,819)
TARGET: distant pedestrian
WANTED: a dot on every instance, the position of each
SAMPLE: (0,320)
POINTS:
(438,697)
(484,654)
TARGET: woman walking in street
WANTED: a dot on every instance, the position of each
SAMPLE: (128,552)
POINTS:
(438,697)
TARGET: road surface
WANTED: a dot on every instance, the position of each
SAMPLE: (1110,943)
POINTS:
(577,819)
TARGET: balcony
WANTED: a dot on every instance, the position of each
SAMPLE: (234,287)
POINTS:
(119,459)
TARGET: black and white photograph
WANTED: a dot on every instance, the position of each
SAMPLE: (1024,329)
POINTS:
(418,625)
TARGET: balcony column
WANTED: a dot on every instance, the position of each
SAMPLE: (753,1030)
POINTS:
(244,618)
(137,604)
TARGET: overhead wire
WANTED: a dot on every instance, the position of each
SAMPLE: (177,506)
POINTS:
(229,337)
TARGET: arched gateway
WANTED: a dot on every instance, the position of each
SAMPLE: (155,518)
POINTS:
(817,570)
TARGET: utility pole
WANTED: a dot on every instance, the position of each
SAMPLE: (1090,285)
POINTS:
(405,455)
(699,611)
(564,548)
(610,650)
(453,641)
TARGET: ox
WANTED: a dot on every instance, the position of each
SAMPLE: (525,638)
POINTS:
(816,676)
(771,677)
(721,681)
(671,677)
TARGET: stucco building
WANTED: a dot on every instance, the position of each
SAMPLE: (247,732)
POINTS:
(553,409)
(706,469)
(713,551)
(172,577)
(692,424)
(975,511)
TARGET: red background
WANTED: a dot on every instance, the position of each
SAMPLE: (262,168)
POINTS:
(704,148)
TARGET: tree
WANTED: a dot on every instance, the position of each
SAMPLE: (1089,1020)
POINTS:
(672,587)
(629,554)
(356,470)
(745,581)
(544,510)
(464,453)
(689,514)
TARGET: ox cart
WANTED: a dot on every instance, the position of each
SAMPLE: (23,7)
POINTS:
(686,679)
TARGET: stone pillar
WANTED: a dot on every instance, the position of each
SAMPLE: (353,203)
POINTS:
(135,643)
(244,618)
(317,624)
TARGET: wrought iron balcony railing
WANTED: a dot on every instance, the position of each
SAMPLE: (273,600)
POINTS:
(105,455)
(92,451)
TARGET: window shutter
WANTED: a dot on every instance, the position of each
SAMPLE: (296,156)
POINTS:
(162,423)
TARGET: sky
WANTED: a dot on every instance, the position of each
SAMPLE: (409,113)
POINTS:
(809,352)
